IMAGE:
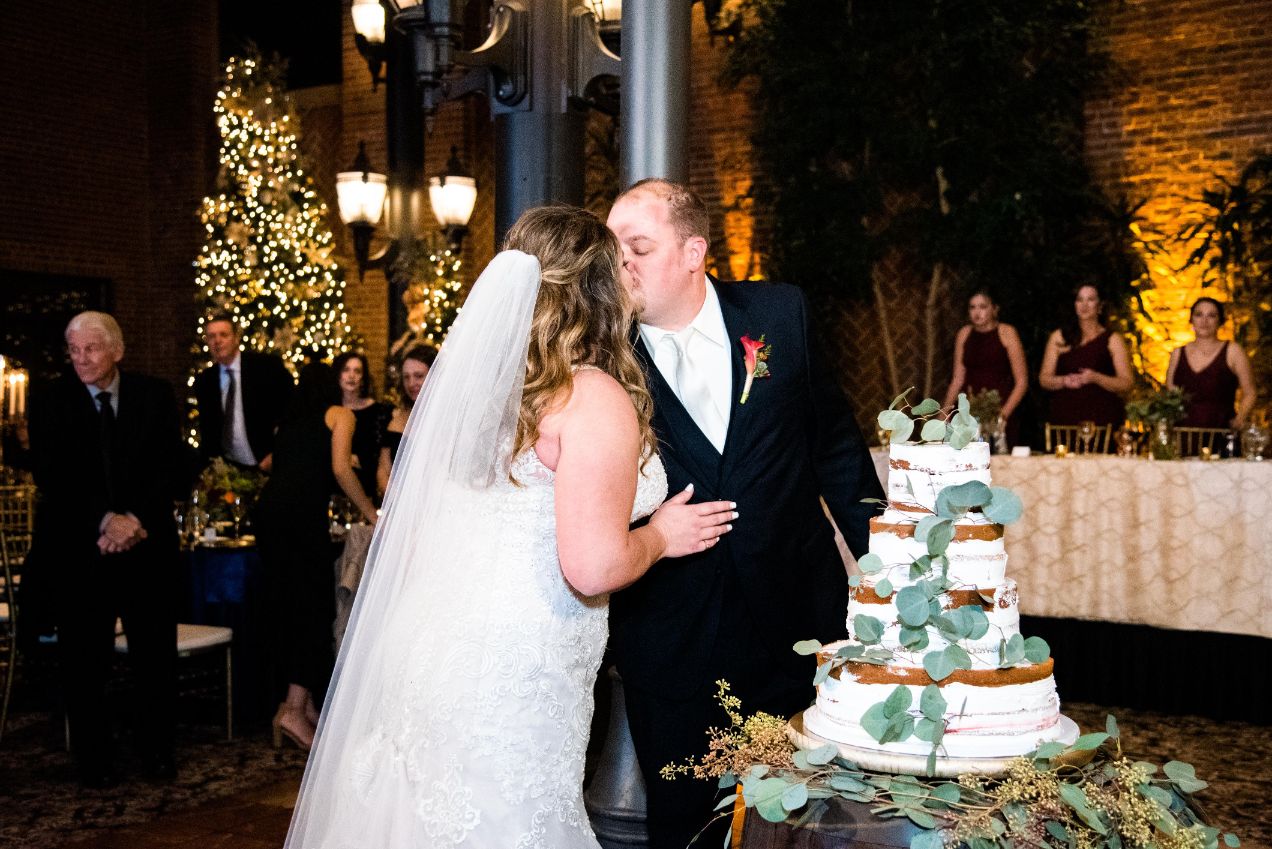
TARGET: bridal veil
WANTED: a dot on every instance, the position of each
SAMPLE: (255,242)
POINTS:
(454,451)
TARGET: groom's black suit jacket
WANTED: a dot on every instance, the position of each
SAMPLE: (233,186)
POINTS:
(777,577)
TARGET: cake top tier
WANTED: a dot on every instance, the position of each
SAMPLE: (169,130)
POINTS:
(917,472)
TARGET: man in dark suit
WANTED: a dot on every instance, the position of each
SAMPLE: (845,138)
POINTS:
(242,397)
(107,457)
(733,611)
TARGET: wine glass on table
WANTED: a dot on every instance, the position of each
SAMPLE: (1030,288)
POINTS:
(1086,433)
(237,510)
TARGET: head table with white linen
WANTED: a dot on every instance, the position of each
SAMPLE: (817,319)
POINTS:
(1185,545)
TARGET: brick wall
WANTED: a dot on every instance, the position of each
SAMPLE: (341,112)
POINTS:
(1193,98)
(103,155)
(108,145)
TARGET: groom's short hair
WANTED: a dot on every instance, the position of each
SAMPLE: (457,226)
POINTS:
(687,212)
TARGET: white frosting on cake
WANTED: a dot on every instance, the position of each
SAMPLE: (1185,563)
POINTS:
(974,562)
(1003,616)
(985,722)
(999,720)
(918,473)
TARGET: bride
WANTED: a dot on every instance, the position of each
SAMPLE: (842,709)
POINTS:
(460,707)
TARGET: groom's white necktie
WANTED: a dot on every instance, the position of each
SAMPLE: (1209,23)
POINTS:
(673,356)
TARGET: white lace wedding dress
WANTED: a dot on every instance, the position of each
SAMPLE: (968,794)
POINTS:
(483,711)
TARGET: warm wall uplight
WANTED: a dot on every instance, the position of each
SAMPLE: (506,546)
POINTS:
(1166,293)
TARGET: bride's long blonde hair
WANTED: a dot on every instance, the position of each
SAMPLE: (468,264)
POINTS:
(582,316)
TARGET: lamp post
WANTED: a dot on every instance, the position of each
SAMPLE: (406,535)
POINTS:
(452,196)
(536,66)
(360,192)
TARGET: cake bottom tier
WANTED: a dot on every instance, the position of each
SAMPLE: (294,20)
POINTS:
(989,714)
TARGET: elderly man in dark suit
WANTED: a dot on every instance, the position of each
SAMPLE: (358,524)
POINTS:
(242,397)
(746,411)
(108,462)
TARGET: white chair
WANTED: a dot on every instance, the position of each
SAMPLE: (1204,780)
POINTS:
(200,639)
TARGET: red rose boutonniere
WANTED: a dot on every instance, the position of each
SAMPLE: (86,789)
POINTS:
(756,354)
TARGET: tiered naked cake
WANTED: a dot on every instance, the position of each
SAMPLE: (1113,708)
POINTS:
(935,662)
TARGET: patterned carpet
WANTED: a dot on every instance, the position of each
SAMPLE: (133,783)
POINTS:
(42,808)
(1235,757)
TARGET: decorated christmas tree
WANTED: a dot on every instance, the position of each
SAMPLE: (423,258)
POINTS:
(267,256)
(432,301)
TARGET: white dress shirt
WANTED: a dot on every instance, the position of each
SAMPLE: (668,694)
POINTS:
(707,370)
(240,450)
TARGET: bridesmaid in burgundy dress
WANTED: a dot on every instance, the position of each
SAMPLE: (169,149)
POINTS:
(988,355)
(1210,371)
(1086,367)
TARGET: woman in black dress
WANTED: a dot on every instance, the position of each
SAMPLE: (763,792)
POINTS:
(312,457)
(371,415)
(415,365)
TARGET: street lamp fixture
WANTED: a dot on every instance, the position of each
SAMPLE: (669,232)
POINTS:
(609,20)
(452,196)
(360,192)
(369,19)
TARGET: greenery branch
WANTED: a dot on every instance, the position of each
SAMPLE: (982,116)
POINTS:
(1089,795)
(1157,404)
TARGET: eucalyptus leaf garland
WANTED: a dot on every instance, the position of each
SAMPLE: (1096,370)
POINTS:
(920,611)
(1089,794)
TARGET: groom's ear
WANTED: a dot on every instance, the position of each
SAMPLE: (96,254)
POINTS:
(695,252)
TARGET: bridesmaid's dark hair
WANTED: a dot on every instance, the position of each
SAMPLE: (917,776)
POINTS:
(317,389)
(1206,300)
(1070,331)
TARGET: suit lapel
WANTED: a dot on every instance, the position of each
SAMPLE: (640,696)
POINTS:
(245,394)
(691,446)
(738,324)
(128,419)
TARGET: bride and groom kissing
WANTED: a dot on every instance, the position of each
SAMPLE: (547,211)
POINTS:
(527,527)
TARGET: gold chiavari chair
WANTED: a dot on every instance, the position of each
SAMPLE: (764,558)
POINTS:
(1190,440)
(17,521)
(1070,436)
(13,549)
(17,508)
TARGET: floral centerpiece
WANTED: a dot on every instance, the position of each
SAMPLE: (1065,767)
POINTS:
(1157,404)
(222,483)
(1089,794)
(1157,410)
(986,406)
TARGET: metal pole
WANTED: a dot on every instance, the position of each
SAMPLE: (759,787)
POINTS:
(405,141)
(539,142)
(654,110)
(539,160)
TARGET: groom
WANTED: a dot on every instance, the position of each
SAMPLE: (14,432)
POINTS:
(734,611)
